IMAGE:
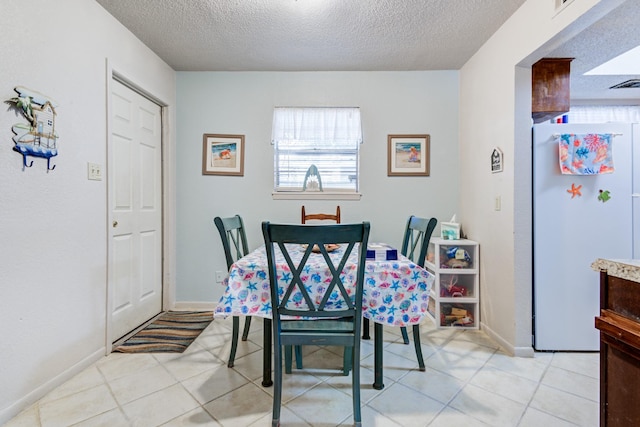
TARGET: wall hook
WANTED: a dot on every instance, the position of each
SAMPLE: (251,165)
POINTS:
(24,159)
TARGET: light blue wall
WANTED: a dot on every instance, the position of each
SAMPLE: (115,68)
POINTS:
(242,103)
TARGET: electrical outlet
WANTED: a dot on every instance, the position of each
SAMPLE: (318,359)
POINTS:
(94,171)
(219,276)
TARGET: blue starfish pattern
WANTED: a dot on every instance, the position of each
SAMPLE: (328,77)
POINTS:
(386,288)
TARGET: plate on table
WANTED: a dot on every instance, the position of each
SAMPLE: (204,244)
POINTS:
(330,247)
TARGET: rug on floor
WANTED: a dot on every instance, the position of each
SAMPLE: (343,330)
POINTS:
(172,332)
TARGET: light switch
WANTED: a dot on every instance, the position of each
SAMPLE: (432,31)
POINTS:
(498,203)
(94,171)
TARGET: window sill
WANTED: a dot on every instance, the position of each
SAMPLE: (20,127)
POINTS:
(314,195)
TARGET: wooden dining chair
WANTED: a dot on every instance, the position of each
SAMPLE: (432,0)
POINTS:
(321,216)
(234,243)
(329,313)
(414,246)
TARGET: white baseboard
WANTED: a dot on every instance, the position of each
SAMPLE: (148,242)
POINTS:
(33,396)
(506,346)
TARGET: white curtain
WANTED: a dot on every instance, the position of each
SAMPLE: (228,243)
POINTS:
(328,125)
(604,114)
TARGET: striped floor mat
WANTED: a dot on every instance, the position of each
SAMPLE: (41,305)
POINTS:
(172,332)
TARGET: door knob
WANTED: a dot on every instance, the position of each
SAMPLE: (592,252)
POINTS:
(115,224)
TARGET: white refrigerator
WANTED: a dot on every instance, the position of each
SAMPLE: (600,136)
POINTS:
(572,227)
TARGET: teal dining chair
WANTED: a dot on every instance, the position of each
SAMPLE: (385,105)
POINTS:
(415,243)
(414,246)
(329,313)
(234,243)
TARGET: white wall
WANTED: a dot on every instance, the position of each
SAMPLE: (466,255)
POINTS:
(53,228)
(495,111)
(242,103)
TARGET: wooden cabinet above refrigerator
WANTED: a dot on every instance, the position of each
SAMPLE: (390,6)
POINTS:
(550,84)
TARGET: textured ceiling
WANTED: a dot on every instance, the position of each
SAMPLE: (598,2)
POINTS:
(357,35)
(313,35)
(616,33)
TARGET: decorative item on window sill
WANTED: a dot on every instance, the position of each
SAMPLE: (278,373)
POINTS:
(312,180)
(38,137)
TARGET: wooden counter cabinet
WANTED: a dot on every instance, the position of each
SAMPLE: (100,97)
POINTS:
(619,326)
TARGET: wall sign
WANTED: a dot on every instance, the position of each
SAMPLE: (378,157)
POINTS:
(496,160)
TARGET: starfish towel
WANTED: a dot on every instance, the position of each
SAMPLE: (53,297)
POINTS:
(586,154)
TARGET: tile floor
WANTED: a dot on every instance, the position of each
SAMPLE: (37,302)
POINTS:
(469,382)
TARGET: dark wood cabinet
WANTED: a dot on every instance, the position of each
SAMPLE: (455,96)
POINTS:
(619,326)
(550,88)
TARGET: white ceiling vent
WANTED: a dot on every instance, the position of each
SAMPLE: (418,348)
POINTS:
(629,84)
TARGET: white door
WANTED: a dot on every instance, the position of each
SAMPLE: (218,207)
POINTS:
(135,223)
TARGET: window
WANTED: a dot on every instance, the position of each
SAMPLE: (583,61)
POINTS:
(326,139)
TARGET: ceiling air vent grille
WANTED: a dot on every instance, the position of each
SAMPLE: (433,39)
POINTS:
(629,84)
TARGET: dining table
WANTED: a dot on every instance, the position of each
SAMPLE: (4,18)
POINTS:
(395,293)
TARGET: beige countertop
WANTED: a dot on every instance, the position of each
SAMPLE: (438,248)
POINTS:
(623,268)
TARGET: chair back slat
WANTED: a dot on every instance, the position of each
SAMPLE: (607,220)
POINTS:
(233,236)
(296,281)
(416,238)
(336,280)
(335,298)
(321,216)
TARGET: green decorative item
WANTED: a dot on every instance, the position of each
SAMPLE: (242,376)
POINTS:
(604,196)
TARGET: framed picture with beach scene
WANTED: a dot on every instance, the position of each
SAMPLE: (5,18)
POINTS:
(222,154)
(408,155)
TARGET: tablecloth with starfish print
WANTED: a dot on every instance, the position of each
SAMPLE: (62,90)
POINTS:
(395,293)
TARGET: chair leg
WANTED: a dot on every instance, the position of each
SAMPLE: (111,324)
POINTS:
(416,342)
(234,341)
(298,350)
(405,336)
(247,324)
(347,360)
(267,339)
(378,340)
(287,359)
(365,329)
(355,385)
(277,386)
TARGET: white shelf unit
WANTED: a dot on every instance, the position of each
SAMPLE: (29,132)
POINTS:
(455,296)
